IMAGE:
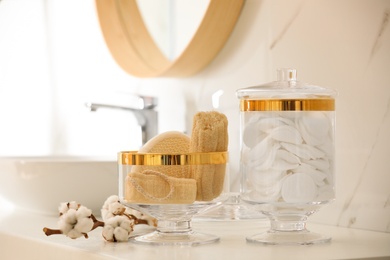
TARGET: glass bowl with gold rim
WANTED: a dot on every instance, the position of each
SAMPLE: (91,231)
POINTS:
(173,188)
(287,155)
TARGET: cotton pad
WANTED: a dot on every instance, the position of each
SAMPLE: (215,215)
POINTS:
(299,188)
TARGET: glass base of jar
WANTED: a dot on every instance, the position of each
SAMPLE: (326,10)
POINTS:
(174,224)
(190,238)
(288,229)
(301,237)
(171,232)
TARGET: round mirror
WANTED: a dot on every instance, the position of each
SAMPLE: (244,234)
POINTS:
(135,50)
(172,23)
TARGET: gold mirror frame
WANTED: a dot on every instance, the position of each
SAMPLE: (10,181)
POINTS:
(136,52)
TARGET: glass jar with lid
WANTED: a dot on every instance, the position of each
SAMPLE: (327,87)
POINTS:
(287,155)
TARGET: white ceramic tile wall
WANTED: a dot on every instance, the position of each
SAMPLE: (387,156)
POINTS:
(344,45)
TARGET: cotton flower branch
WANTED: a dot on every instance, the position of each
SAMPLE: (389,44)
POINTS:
(76,220)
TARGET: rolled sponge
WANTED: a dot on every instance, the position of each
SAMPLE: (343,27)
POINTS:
(209,134)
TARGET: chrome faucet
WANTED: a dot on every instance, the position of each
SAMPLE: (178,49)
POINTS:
(146,115)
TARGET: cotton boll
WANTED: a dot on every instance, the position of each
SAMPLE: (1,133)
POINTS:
(84,225)
(109,201)
(125,223)
(73,205)
(121,234)
(75,223)
(70,217)
(108,233)
(65,206)
(83,212)
(65,226)
(118,229)
(67,221)
(112,207)
(116,208)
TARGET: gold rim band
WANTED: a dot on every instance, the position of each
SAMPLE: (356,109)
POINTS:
(288,105)
(135,158)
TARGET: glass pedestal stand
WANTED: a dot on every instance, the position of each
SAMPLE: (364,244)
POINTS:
(174,224)
(171,232)
(289,227)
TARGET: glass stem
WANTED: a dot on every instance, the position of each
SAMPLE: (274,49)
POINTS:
(290,223)
(172,226)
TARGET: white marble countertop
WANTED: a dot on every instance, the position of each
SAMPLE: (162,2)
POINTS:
(21,236)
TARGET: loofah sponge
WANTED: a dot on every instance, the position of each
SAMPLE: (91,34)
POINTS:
(167,143)
(162,184)
(209,134)
(158,188)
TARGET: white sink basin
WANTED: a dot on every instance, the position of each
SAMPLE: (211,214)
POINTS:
(42,183)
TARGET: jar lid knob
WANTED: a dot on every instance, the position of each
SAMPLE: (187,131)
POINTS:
(287,74)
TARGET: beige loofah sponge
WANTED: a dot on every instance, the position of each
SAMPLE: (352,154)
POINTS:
(209,134)
(167,143)
(158,188)
(162,184)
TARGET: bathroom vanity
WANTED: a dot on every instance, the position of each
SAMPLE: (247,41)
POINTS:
(21,237)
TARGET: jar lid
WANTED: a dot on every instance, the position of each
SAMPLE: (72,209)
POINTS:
(285,87)
(286,94)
